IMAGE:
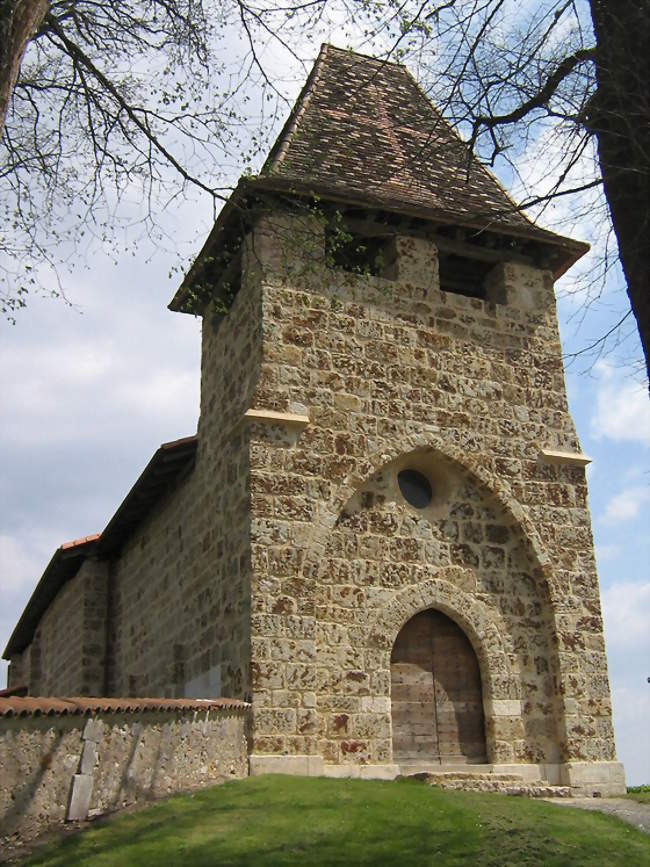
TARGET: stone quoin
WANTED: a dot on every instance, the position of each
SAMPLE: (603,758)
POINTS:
(379,535)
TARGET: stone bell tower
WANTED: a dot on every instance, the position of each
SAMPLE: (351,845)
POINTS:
(380,534)
(382,385)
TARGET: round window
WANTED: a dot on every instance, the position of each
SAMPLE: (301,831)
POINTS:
(415,488)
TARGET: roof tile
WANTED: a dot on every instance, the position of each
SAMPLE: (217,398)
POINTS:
(364,125)
(28,706)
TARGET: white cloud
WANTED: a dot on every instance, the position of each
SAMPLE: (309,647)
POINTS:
(622,410)
(625,505)
(631,711)
(626,615)
(22,560)
(607,552)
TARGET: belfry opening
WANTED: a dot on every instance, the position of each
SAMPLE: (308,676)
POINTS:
(436,696)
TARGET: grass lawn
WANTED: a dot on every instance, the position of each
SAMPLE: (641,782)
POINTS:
(276,820)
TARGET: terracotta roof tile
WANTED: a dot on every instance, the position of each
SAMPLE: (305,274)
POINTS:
(364,125)
(79,543)
(363,134)
(16,706)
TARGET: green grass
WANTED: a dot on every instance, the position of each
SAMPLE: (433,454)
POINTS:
(276,820)
(639,793)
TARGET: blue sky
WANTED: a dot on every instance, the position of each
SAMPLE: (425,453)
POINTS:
(90,391)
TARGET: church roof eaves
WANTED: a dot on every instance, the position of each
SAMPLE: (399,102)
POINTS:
(189,298)
(170,461)
(64,565)
(364,125)
(362,132)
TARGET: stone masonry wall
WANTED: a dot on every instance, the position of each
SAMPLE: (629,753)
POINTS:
(393,368)
(58,643)
(58,767)
(177,596)
(463,545)
(181,586)
(67,652)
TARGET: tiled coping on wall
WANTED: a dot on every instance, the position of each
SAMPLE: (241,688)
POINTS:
(65,759)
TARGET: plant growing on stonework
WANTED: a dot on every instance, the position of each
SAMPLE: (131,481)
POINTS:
(112,112)
(118,108)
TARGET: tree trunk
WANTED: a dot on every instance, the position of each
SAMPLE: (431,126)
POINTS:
(621,121)
(19,20)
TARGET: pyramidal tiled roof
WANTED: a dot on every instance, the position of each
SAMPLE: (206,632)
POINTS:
(364,127)
(362,133)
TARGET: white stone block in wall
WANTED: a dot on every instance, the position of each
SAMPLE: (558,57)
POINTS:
(82,788)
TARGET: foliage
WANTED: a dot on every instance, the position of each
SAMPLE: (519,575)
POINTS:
(285,820)
(554,94)
(120,109)
(639,793)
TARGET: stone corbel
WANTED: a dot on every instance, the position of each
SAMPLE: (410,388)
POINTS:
(558,457)
(270,416)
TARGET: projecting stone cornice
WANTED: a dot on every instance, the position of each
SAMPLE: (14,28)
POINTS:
(271,416)
(571,459)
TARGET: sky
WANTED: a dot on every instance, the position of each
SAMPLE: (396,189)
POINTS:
(89,391)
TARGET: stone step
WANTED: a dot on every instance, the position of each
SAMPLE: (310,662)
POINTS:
(469,775)
(504,784)
(522,790)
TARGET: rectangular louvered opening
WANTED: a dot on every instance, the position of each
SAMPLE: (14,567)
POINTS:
(360,253)
(463,275)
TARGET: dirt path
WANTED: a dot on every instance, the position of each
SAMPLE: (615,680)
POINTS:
(626,809)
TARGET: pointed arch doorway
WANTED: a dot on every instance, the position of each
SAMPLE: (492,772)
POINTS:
(436,698)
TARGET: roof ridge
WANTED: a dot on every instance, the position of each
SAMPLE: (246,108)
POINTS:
(472,157)
(281,146)
(34,706)
(79,543)
(363,131)
(394,139)
(372,57)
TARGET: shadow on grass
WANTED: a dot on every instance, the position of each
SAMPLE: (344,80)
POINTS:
(286,820)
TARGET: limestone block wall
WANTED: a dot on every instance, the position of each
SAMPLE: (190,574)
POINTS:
(25,667)
(384,561)
(393,368)
(58,767)
(56,655)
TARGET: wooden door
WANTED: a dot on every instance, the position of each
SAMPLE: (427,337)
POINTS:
(437,707)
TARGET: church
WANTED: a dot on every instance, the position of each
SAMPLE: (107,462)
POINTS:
(379,535)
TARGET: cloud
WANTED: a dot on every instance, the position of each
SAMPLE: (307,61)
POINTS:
(626,612)
(92,387)
(625,505)
(23,560)
(622,409)
(607,552)
(631,711)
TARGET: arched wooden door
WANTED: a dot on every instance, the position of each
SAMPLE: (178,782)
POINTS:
(437,706)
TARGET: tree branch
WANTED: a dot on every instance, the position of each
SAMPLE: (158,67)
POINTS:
(82,58)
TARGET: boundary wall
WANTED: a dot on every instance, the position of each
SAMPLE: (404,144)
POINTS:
(71,759)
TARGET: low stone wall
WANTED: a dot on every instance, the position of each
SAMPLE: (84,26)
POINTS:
(59,764)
